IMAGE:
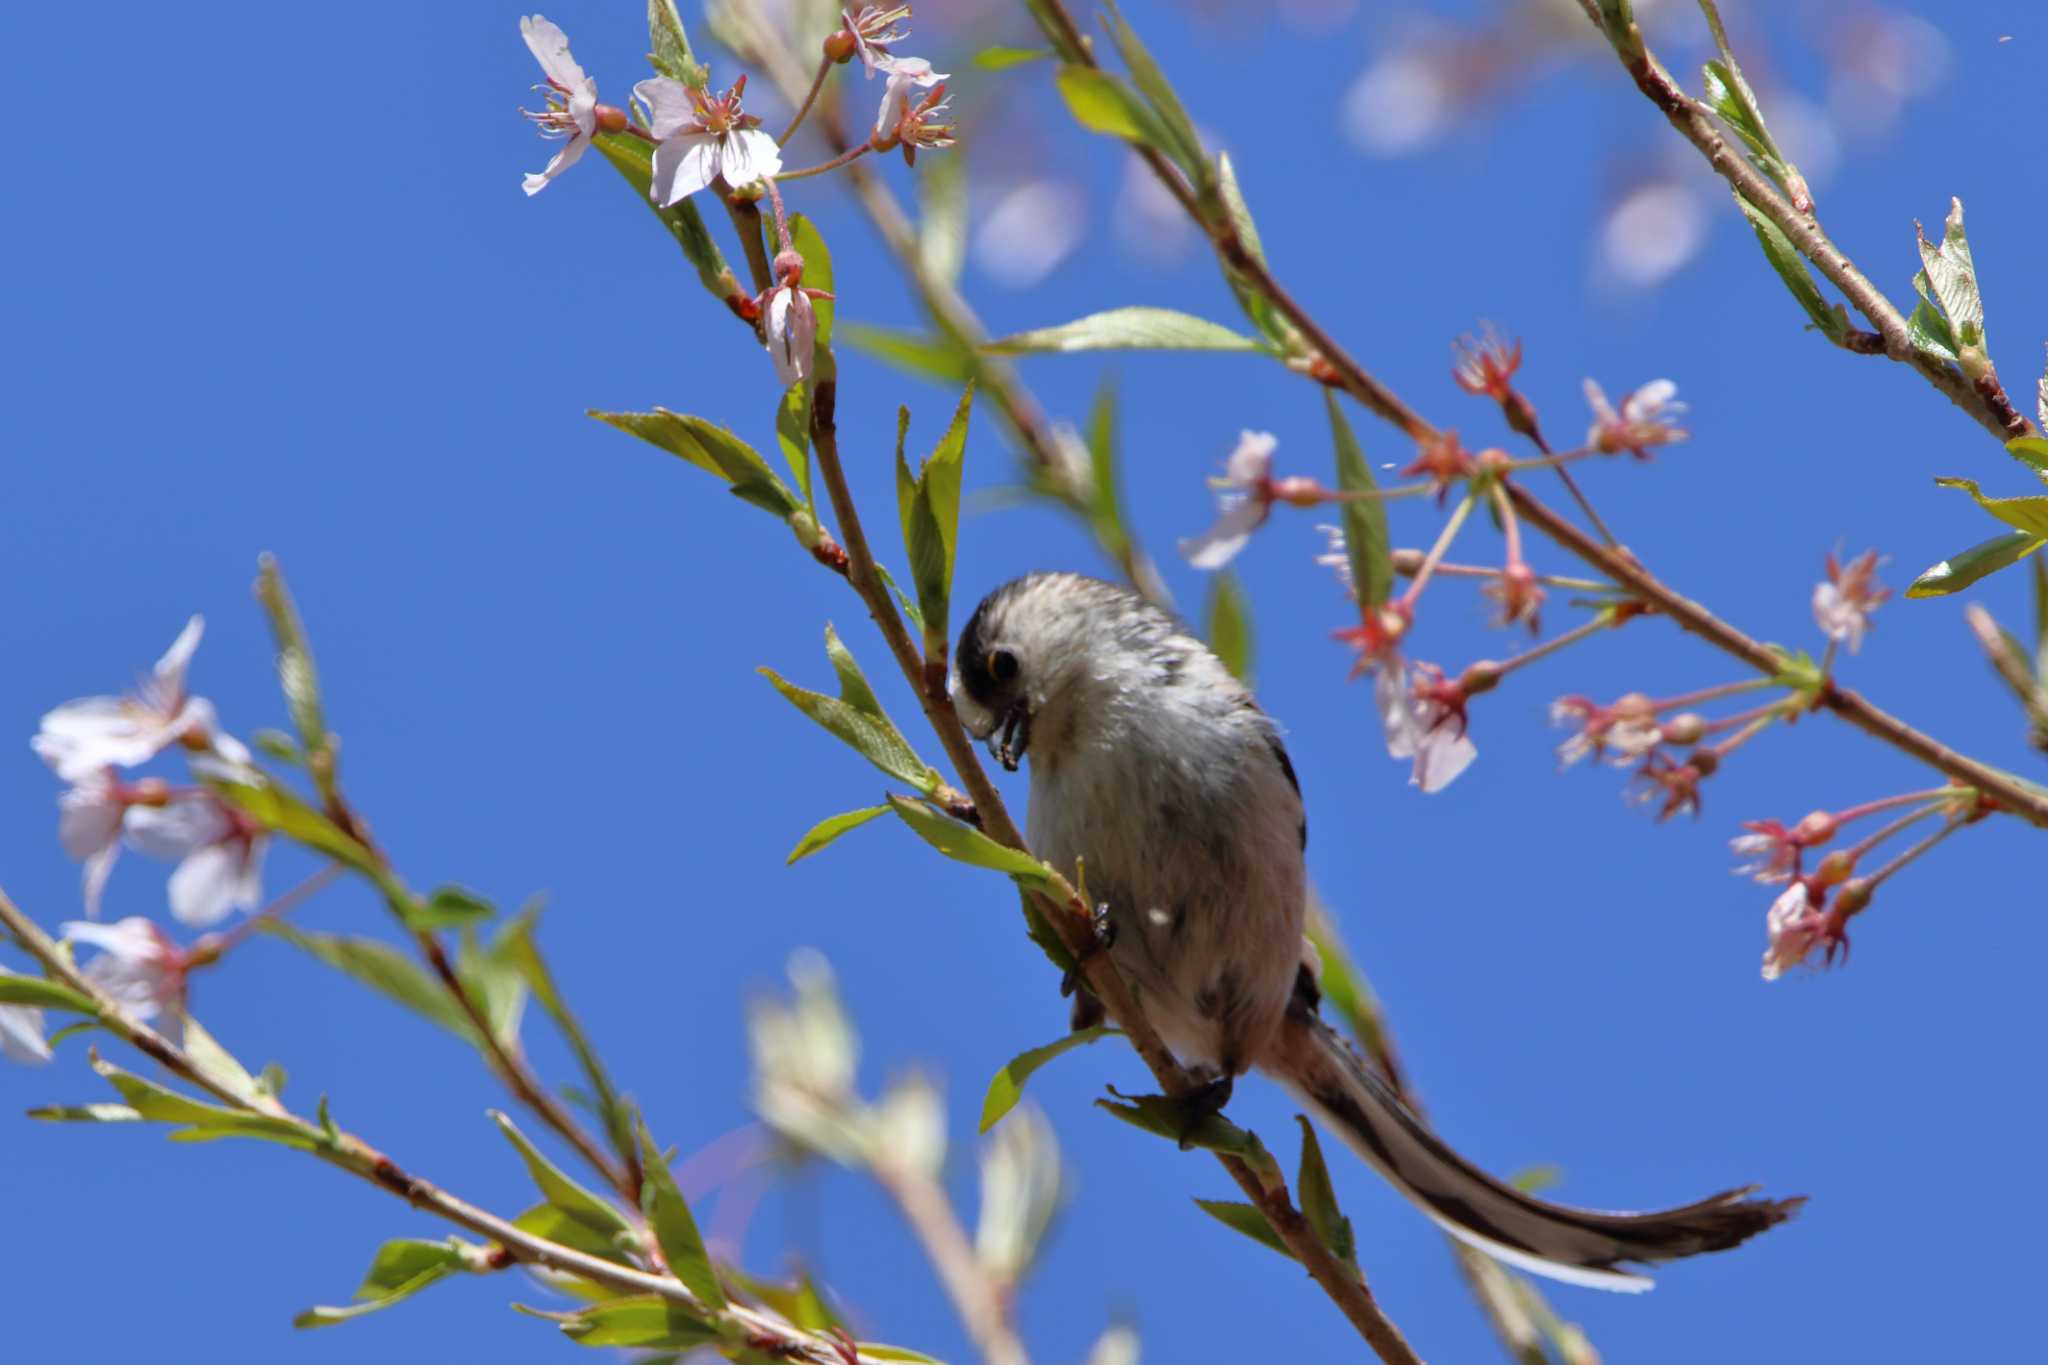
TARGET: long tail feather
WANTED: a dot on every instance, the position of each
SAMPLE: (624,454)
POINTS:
(1578,1246)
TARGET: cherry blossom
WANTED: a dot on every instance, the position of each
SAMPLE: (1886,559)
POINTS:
(1797,925)
(873,29)
(898,122)
(219,852)
(571,110)
(702,138)
(139,967)
(89,821)
(84,737)
(1844,601)
(1245,495)
(1424,717)
(1641,423)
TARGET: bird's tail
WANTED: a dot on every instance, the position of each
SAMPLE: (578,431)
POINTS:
(1578,1246)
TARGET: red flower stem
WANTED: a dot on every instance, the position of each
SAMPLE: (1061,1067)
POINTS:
(1715,693)
(853,153)
(214,947)
(1551,646)
(803,110)
(1902,799)
(1862,846)
(1760,719)
(1510,527)
(1436,551)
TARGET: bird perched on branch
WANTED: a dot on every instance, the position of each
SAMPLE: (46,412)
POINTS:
(1153,767)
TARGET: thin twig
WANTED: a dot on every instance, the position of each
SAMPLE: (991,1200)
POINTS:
(984,1308)
(1343,1285)
(350,1153)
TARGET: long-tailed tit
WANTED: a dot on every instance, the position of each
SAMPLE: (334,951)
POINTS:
(1154,768)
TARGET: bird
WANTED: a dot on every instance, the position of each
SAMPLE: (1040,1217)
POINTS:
(1155,771)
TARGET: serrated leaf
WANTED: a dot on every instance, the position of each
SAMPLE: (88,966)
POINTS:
(810,244)
(2028,514)
(711,448)
(2031,451)
(402,1268)
(1318,1199)
(668,1214)
(1230,625)
(1981,560)
(1129,329)
(198,1120)
(1001,58)
(633,159)
(1366,539)
(453,907)
(671,42)
(829,829)
(928,356)
(1182,143)
(37,993)
(1952,276)
(383,969)
(1007,1086)
(875,738)
(1791,267)
(1928,330)
(1739,113)
(1248,1219)
(295,671)
(964,843)
(560,1190)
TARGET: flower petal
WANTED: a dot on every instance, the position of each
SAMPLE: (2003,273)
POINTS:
(747,155)
(1219,544)
(668,106)
(1440,757)
(170,670)
(683,165)
(550,47)
(1252,462)
(177,830)
(21,1032)
(207,886)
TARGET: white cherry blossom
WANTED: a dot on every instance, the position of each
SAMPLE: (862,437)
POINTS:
(87,736)
(702,138)
(571,110)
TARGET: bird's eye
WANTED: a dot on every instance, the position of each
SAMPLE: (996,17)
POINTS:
(1002,665)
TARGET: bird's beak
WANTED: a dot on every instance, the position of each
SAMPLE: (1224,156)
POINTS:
(1007,742)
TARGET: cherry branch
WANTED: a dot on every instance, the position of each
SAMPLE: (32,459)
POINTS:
(1344,371)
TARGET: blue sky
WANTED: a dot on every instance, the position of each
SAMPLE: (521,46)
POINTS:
(275,288)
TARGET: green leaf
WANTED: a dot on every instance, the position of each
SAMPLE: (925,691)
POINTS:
(295,670)
(564,1193)
(2032,452)
(871,735)
(496,984)
(633,159)
(1248,1219)
(853,684)
(642,1320)
(1254,303)
(1952,276)
(218,1065)
(793,435)
(1182,144)
(1732,99)
(1230,625)
(1129,329)
(2040,627)
(942,217)
(1168,1118)
(402,1269)
(1319,1200)
(86,1113)
(910,611)
(931,523)
(964,843)
(556,1225)
(2027,514)
(880,1352)
(1927,329)
(1366,539)
(710,448)
(825,831)
(281,811)
(158,1105)
(668,1213)
(383,969)
(928,356)
(1101,103)
(1000,58)
(40,994)
(453,907)
(1981,560)
(1007,1087)
(672,56)
(1792,269)
(810,244)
